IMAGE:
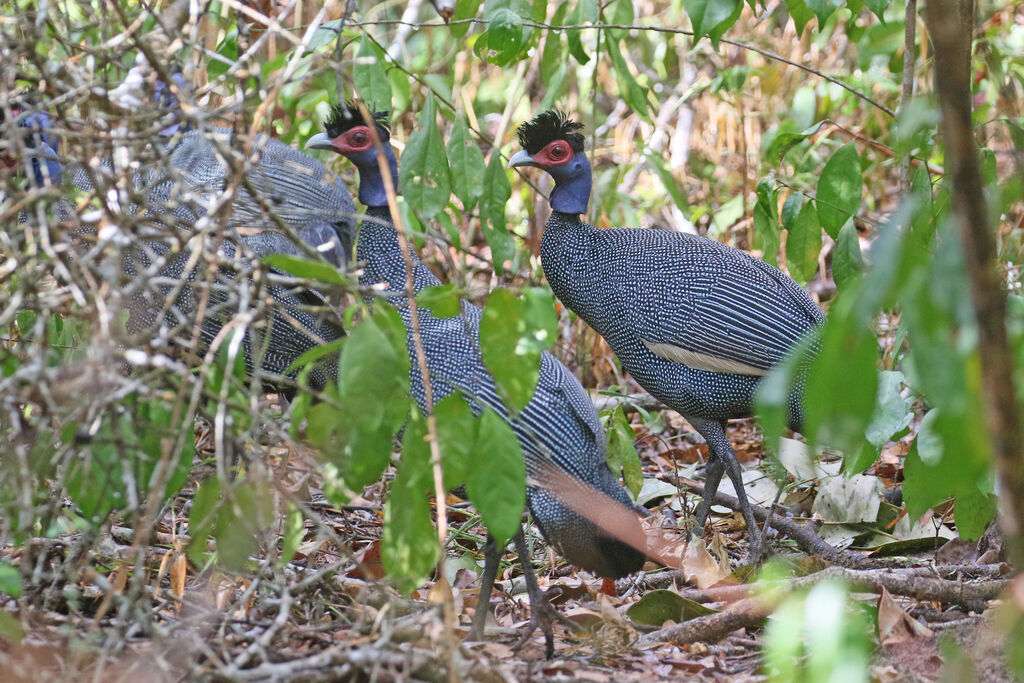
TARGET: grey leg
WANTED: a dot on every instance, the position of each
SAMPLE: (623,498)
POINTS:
(492,557)
(720,449)
(542,614)
(714,473)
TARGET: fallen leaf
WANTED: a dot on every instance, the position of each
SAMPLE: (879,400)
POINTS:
(895,625)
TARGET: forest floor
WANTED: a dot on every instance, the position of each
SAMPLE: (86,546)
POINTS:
(932,603)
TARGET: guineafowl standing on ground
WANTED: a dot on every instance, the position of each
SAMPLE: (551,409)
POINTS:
(695,322)
(559,427)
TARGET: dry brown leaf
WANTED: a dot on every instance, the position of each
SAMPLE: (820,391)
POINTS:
(895,625)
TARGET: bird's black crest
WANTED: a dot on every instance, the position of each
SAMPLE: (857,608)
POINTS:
(547,126)
(347,115)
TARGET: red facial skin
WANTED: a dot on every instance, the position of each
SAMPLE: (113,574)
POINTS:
(555,153)
(353,140)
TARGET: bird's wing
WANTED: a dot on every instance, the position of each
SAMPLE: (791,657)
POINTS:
(707,306)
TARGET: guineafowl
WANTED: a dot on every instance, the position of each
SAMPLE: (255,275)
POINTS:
(187,169)
(695,322)
(297,319)
(558,429)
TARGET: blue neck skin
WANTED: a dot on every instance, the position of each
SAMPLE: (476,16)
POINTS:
(371,181)
(52,175)
(572,185)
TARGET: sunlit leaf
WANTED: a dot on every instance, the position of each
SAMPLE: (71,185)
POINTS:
(424,176)
(497,191)
(467,164)
(847,262)
(839,189)
(803,244)
(370,77)
(498,490)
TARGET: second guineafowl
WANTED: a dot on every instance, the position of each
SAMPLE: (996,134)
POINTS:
(695,322)
(559,428)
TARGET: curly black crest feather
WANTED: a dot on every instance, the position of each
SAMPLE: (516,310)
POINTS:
(547,126)
(347,115)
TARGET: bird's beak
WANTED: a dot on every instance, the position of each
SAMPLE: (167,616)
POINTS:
(320,141)
(521,158)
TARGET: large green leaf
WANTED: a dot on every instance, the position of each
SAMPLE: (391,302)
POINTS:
(839,189)
(409,548)
(766,222)
(803,244)
(464,9)
(371,79)
(424,176)
(497,191)
(634,94)
(467,164)
(823,9)
(708,15)
(504,39)
(498,487)
(843,381)
(847,262)
(505,345)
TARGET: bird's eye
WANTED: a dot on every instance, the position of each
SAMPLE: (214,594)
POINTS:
(359,138)
(558,151)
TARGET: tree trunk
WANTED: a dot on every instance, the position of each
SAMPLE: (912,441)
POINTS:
(950,23)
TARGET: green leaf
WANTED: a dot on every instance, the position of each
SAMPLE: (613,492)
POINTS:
(972,513)
(10,629)
(839,189)
(497,192)
(708,15)
(800,14)
(585,11)
(803,244)
(295,529)
(621,453)
(456,435)
(319,271)
(10,580)
(424,176)
(370,77)
(409,548)
(541,320)
(785,141)
(823,9)
(632,93)
(443,301)
(464,9)
(658,606)
(202,518)
(842,381)
(766,222)
(375,355)
(498,489)
(467,164)
(847,262)
(504,39)
(878,7)
(512,362)
(892,410)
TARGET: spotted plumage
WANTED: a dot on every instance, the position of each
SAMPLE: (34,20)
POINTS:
(695,322)
(559,426)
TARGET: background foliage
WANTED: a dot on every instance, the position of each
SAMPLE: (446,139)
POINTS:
(786,129)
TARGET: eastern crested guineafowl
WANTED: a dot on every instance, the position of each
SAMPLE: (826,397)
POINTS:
(35,149)
(695,322)
(557,430)
(189,166)
(164,275)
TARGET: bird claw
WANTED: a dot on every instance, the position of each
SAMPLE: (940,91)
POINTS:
(543,616)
